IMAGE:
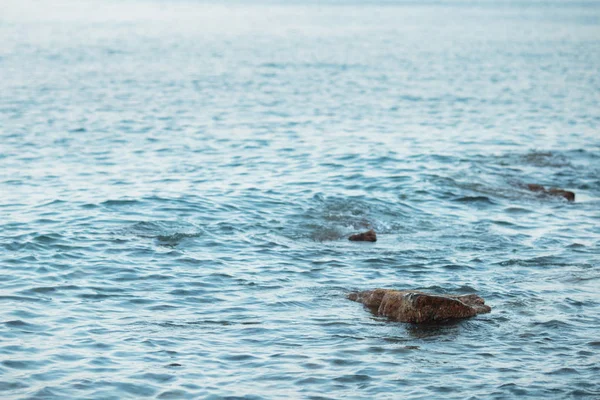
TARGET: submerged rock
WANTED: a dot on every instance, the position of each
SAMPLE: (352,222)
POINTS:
(369,236)
(418,307)
(570,196)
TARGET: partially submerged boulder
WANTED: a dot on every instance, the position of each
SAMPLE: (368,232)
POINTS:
(369,236)
(418,307)
(570,196)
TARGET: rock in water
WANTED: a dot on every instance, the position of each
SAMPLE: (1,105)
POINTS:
(369,236)
(417,307)
(570,196)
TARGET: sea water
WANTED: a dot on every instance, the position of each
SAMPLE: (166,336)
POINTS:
(178,180)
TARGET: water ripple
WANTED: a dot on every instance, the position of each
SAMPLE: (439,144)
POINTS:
(176,226)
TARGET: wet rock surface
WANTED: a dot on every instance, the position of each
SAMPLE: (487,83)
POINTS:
(556,192)
(418,307)
(369,236)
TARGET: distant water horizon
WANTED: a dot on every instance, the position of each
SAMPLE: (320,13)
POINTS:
(179,180)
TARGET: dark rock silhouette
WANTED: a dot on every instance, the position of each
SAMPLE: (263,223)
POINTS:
(570,196)
(369,236)
(417,307)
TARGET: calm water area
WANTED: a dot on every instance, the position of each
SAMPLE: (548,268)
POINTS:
(178,180)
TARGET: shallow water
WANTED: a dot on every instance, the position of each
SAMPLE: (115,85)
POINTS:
(178,181)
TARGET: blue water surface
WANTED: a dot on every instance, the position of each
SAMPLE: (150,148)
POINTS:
(178,180)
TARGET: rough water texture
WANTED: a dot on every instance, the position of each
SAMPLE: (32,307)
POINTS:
(418,307)
(179,180)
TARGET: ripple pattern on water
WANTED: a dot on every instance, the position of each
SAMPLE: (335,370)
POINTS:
(178,183)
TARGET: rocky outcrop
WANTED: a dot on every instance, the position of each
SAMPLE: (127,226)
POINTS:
(369,236)
(417,307)
(570,196)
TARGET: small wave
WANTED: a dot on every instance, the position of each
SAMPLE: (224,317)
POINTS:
(16,324)
(24,364)
(564,371)
(474,199)
(354,378)
(323,234)
(6,386)
(454,267)
(176,237)
(166,233)
(541,159)
(120,202)
(552,324)
(546,159)
(48,238)
(517,210)
(21,298)
(41,290)
(541,261)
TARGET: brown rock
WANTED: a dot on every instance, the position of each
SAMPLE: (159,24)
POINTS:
(369,236)
(417,307)
(570,196)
